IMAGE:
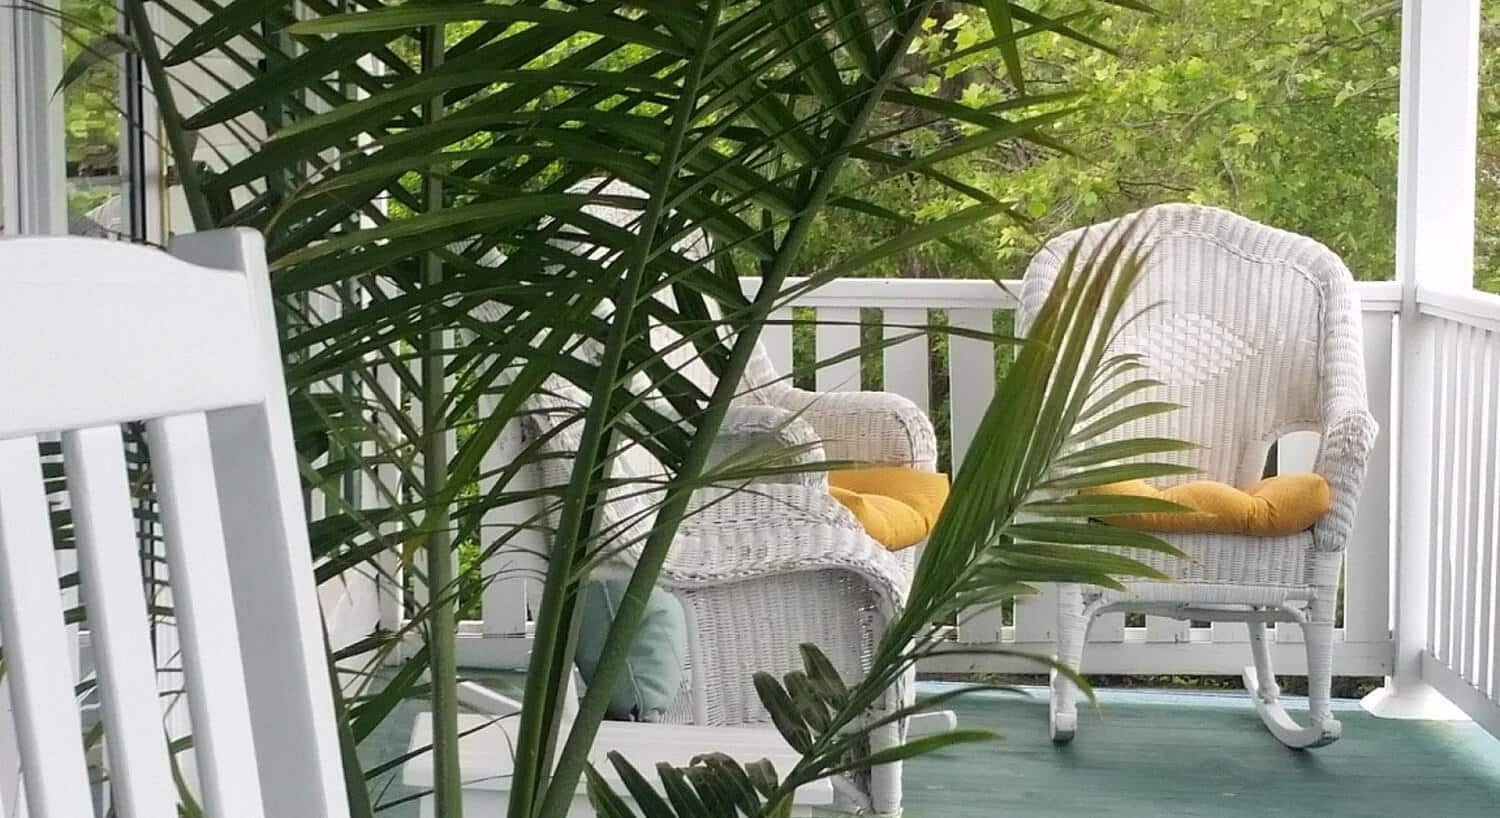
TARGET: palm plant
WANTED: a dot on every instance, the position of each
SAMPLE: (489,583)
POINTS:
(1015,518)
(414,165)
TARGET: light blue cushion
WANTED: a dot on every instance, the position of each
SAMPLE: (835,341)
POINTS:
(653,669)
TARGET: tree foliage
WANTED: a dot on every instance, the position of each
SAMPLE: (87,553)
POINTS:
(1487,179)
(1282,111)
(1286,112)
(91,105)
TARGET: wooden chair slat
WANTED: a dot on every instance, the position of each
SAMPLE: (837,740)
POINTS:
(223,740)
(109,567)
(38,668)
(270,559)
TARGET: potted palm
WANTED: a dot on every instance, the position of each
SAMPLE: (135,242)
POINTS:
(412,163)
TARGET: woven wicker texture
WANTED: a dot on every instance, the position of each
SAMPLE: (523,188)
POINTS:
(1255,333)
(761,566)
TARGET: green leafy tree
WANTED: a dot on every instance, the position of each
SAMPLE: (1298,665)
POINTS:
(1487,178)
(91,105)
(1282,111)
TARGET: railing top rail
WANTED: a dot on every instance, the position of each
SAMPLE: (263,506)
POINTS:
(1379,296)
(1477,309)
(897,293)
(950,294)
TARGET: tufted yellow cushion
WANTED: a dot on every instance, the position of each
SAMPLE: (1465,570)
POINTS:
(1274,507)
(897,506)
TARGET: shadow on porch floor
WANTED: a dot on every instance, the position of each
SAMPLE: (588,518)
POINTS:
(1143,754)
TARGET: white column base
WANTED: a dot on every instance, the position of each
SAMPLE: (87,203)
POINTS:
(1415,701)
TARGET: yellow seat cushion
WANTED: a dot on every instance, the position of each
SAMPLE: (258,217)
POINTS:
(1274,507)
(897,506)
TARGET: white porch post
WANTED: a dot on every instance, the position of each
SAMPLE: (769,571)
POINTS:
(1434,250)
(33,193)
(31,123)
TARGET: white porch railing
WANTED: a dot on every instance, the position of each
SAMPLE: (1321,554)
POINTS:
(1159,646)
(1422,580)
(1462,517)
(1453,531)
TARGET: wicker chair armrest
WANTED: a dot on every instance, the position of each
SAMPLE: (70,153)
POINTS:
(766,530)
(771,436)
(1348,438)
(871,427)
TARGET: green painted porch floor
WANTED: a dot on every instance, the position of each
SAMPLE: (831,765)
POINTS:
(1155,754)
(1142,754)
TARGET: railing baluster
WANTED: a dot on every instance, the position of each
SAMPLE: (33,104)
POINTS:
(838,332)
(322,307)
(1441,576)
(1458,499)
(417,562)
(1473,545)
(388,477)
(971,377)
(776,338)
(906,366)
(1465,521)
(504,573)
(971,386)
(1486,528)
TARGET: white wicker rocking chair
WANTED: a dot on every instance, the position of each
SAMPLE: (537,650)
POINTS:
(1259,336)
(762,569)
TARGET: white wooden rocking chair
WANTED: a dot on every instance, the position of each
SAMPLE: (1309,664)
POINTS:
(96,333)
(1259,336)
